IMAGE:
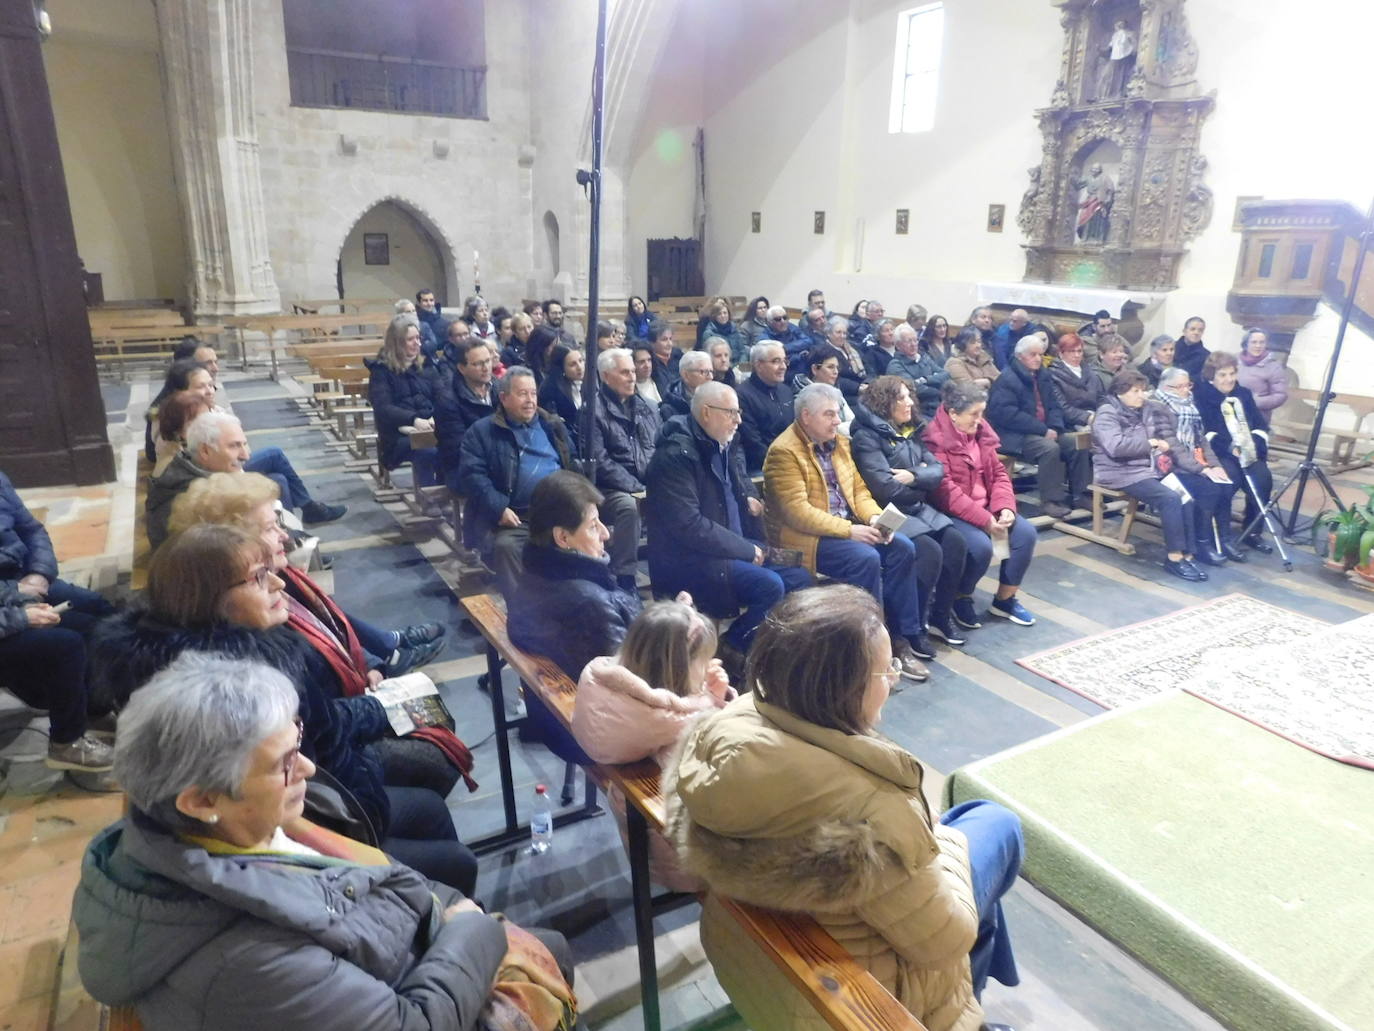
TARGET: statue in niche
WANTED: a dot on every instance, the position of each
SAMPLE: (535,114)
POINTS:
(1117,62)
(1096,195)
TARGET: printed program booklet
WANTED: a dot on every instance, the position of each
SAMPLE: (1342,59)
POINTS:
(412,702)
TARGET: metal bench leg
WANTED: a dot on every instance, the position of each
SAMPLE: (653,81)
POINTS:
(498,716)
(569,786)
(638,834)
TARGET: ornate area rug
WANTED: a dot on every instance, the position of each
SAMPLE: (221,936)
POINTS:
(1303,679)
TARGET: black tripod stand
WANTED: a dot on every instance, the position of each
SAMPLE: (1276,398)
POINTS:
(1308,468)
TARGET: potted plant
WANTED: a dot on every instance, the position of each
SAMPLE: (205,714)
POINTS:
(1345,532)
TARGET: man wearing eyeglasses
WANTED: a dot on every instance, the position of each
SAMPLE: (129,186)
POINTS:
(702,512)
(765,402)
(779,328)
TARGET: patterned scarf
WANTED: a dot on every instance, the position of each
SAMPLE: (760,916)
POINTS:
(1189,421)
(1233,414)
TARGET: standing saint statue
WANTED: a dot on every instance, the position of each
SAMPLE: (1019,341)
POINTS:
(1118,58)
(1096,195)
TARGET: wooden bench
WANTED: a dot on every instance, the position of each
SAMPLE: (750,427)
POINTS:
(1295,419)
(844,994)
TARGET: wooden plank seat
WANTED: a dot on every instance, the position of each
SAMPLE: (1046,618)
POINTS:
(1107,500)
(844,994)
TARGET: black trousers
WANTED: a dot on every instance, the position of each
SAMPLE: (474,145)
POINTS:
(422,836)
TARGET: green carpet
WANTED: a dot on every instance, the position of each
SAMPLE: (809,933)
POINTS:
(1237,864)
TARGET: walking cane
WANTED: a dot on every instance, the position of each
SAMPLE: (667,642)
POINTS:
(1269,522)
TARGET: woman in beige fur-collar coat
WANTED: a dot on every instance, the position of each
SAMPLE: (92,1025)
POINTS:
(786,799)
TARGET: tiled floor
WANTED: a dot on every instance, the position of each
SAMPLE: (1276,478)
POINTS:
(977,703)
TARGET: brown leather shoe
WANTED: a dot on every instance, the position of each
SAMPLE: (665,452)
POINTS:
(912,667)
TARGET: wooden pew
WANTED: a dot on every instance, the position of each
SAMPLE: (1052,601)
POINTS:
(844,994)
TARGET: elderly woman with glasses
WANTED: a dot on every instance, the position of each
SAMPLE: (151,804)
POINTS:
(789,798)
(211,588)
(214,904)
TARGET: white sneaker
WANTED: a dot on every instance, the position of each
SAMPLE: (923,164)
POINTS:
(85,754)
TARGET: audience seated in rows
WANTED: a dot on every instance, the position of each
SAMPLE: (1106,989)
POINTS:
(401,389)
(787,798)
(765,402)
(977,494)
(637,703)
(1239,434)
(503,457)
(42,649)
(703,515)
(174,918)
(899,469)
(693,370)
(971,362)
(1260,372)
(920,367)
(1024,409)
(211,588)
(819,505)
(429,343)
(545,336)
(823,365)
(1130,437)
(1098,333)
(1081,392)
(1161,357)
(561,392)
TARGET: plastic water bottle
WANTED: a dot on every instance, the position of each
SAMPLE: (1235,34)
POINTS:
(541,823)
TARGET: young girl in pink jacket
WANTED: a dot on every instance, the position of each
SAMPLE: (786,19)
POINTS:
(636,704)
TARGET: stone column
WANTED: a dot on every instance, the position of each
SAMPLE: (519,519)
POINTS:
(207,65)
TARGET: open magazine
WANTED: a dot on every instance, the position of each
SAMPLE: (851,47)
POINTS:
(412,702)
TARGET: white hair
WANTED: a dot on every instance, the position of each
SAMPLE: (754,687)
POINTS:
(759,352)
(1027,342)
(1172,375)
(404,306)
(711,393)
(776,310)
(207,428)
(698,360)
(813,395)
(606,360)
(196,724)
(836,320)
(713,342)
(904,330)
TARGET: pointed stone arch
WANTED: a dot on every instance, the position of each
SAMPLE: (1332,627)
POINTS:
(448,253)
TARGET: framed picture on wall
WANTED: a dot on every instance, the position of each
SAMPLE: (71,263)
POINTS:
(997,215)
(755,221)
(376,249)
(820,222)
(903,221)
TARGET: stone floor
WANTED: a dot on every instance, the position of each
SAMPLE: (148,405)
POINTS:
(392,571)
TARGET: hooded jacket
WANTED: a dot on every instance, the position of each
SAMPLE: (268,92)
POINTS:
(25,546)
(685,511)
(225,942)
(879,450)
(126,649)
(781,813)
(966,460)
(163,490)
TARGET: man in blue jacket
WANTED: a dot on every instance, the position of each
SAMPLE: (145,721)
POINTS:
(1006,336)
(1024,409)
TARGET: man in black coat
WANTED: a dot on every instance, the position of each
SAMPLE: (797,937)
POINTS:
(622,445)
(464,395)
(765,402)
(1024,409)
(703,515)
(693,371)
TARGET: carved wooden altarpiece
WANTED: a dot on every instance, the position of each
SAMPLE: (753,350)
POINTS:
(1119,190)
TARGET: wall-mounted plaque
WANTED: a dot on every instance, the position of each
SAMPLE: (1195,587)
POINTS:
(376,249)
(903,221)
(820,222)
(755,221)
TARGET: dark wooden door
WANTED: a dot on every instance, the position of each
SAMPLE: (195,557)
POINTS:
(675,269)
(52,419)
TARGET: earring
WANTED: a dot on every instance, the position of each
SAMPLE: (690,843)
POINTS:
(212,818)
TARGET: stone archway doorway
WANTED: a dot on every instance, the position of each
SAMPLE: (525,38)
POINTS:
(389,253)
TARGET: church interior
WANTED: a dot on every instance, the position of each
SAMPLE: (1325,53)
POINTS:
(273,182)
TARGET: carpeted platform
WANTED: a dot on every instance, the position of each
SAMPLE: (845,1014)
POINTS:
(1303,679)
(1235,863)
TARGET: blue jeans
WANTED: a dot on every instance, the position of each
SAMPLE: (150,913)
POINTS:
(886,571)
(377,643)
(995,848)
(1020,541)
(755,589)
(273,463)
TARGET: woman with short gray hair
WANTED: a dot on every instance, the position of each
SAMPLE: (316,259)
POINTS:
(216,905)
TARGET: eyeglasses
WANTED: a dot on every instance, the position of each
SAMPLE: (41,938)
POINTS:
(893,673)
(260,576)
(288,763)
(778,318)
(734,413)
(772,361)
